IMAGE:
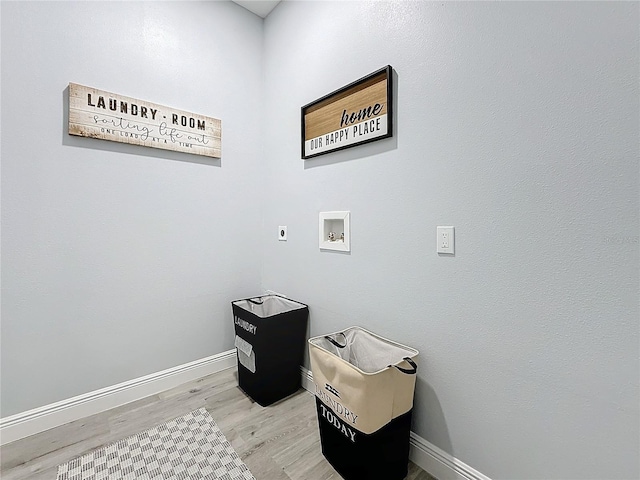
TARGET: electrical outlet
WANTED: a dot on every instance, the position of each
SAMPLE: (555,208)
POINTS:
(445,240)
(282,233)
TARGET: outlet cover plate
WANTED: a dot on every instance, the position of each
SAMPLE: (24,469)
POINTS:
(445,240)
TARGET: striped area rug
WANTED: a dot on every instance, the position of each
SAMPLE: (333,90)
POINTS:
(188,447)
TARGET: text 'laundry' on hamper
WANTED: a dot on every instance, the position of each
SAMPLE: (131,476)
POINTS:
(364,386)
(270,337)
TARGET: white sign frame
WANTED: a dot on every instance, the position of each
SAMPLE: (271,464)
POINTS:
(108,116)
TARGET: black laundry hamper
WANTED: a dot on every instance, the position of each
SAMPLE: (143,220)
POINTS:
(364,386)
(270,340)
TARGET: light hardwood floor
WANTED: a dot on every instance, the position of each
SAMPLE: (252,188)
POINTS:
(279,442)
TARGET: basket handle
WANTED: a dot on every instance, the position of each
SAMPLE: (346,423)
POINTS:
(408,371)
(327,337)
(255,302)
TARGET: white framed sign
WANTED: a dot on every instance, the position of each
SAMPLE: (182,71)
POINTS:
(108,116)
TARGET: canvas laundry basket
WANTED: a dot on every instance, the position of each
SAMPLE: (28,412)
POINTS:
(270,337)
(364,386)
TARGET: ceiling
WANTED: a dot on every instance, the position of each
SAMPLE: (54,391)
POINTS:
(262,8)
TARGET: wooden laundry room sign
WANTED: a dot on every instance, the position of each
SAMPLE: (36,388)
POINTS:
(358,113)
(98,114)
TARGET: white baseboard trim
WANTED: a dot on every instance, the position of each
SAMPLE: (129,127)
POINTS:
(427,456)
(439,463)
(307,380)
(53,415)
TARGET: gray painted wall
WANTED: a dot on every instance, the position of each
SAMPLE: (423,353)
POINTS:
(518,124)
(119,261)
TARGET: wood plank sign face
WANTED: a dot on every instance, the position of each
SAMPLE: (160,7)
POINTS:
(98,114)
(358,113)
